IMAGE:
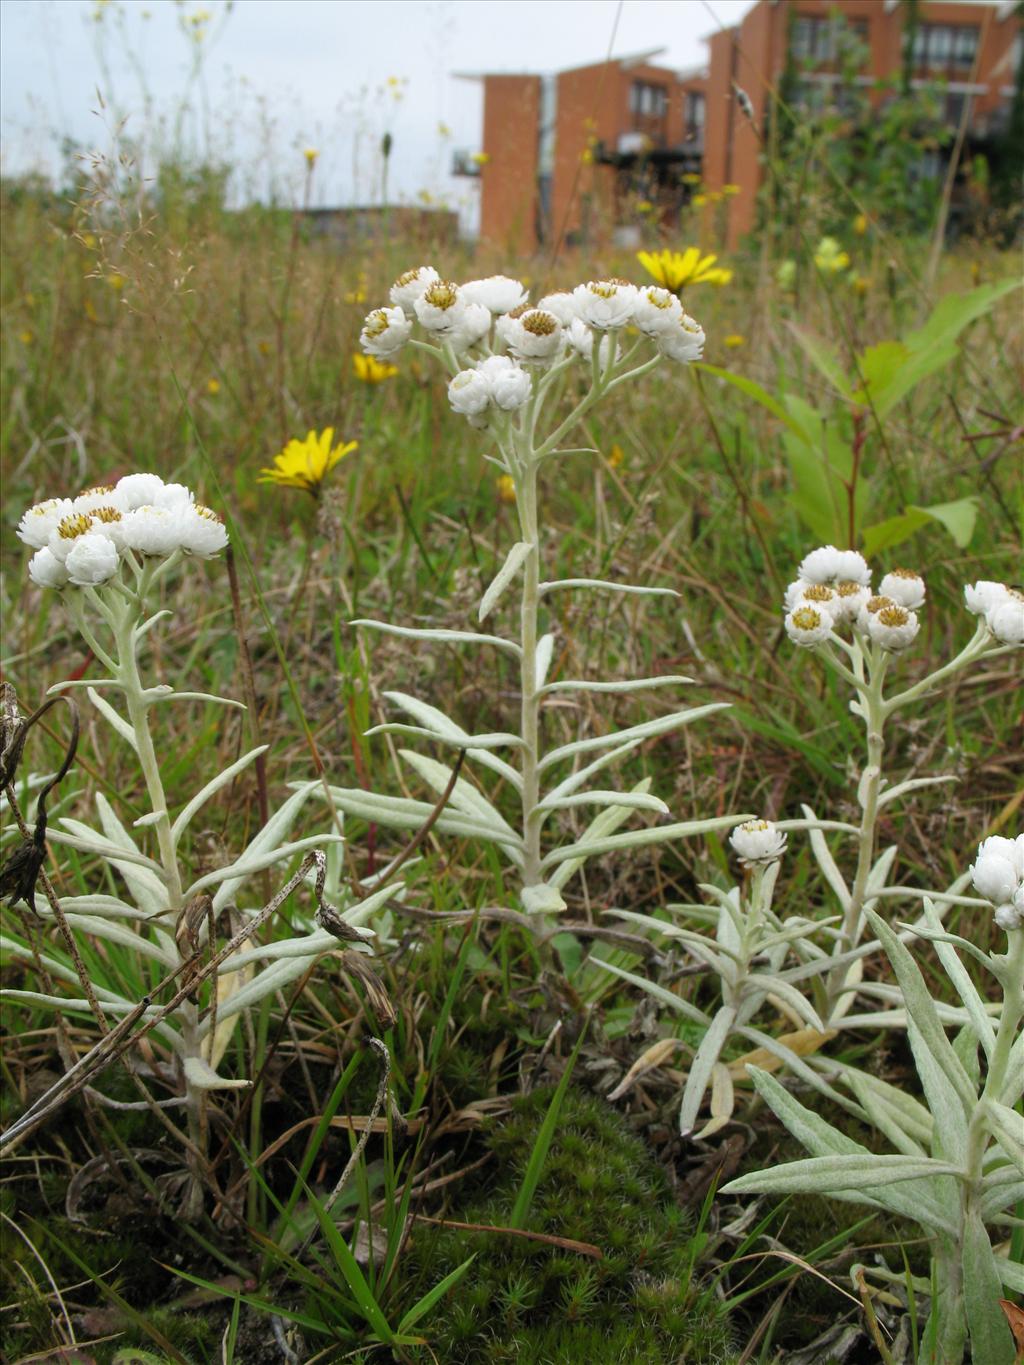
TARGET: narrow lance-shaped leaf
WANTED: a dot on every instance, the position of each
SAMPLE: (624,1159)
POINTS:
(514,561)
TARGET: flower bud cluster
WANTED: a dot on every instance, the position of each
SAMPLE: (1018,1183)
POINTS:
(998,876)
(757,843)
(83,540)
(1001,607)
(493,315)
(833,589)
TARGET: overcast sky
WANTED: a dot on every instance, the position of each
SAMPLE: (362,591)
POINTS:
(279,75)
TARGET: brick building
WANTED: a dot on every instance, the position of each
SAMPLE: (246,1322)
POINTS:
(569,156)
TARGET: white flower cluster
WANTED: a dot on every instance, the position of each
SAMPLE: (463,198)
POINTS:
(833,588)
(757,843)
(494,316)
(998,876)
(82,540)
(1001,607)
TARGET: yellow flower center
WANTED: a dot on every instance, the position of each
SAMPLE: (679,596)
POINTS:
(877,604)
(659,298)
(806,618)
(407,277)
(604,289)
(377,323)
(99,488)
(818,592)
(106,514)
(207,513)
(539,323)
(909,574)
(443,295)
(848,588)
(74,526)
(893,616)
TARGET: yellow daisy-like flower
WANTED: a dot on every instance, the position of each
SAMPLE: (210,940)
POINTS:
(304,464)
(699,200)
(506,488)
(213,387)
(371,370)
(616,456)
(674,269)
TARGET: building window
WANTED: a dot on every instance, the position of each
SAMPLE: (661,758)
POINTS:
(648,101)
(943,46)
(694,111)
(816,39)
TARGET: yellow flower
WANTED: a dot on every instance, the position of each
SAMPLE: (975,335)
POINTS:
(699,200)
(616,456)
(371,370)
(690,178)
(311,154)
(480,158)
(674,269)
(830,258)
(860,224)
(506,488)
(645,206)
(734,341)
(587,156)
(213,387)
(303,464)
(729,190)
(116,282)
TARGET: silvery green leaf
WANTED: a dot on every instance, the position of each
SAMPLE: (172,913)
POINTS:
(399,812)
(108,713)
(702,947)
(914,784)
(559,583)
(996,1198)
(1011,1273)
(542,660)
(141,873)
(826,862)
(450,637)
(658,834)
(70,1005)
(222,779)
(251,862)
(924,1022)
(661,725)
(703,1064)
(797,929)
(489,741)
(657,992)
(96,904)
(311,945)
(940,935)
(273,832)
(115,932)
(882,1117)
(603,823)
(631,800)
(879,873)
(991,1340)
(514,561)
(797,1002)
(428,716)
(910,1114)
(270,979)
(201,1076)
(172,695)
(834,1175)
(1007,1127)
(464,797)
(541,899)
(629,685)
(146,821)
(810,1129)
(798,1066)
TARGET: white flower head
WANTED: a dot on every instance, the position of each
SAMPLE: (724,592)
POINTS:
(104,495)
(853,567)
(821,565)
(604,304)
(904,586)
(1006,619)
(92,559)
(511,385)
(45,569)
(497,293)
(174,496)
(561,304)
(410,285)
(154,530)
(872,607)
(203,532)
(67,531)
(139,490)
(893,627)
(534,336)
(472,327)
(850,597)
(656,310)
(581,340)
(470,393)
(757,843)
(808,626)
(440,307)
(998,877)
(980,596)
(818,595)
(385,331)
(684,341)
(108,520)
(39,522)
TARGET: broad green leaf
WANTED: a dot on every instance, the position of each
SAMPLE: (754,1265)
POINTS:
(824,359)
(751,389)
(958,518)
